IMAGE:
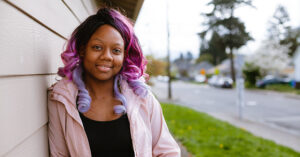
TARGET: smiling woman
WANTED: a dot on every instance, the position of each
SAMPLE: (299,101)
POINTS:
(104,54)
(102,106)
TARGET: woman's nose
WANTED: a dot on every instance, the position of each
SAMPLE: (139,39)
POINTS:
(106,54)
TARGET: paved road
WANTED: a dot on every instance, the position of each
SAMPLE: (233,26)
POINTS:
(277,110)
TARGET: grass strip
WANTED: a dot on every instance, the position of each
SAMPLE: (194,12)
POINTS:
(205,136)
(283,88)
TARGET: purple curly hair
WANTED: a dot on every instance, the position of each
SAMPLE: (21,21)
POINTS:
(133,66)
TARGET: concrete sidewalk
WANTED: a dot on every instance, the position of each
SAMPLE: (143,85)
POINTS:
(277,135)
(265,131)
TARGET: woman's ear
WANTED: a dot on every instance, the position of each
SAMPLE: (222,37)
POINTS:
(81,52)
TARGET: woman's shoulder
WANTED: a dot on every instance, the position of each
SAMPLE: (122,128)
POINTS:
(143,91)
(63,85)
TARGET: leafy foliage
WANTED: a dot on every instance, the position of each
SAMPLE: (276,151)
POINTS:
(155,66)
(205,57)
(227,31)
(251,74)
(280,30)
(279,25)
(291,40)
(215,49)
(222,21)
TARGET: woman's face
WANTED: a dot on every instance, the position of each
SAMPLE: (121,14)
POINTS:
(104,54)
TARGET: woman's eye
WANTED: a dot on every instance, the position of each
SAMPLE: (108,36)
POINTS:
(97,47)
(117,51)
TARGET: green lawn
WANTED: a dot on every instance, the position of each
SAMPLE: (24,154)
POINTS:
(205,136)
(283,88)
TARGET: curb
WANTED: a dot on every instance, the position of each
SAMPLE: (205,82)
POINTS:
(184,152)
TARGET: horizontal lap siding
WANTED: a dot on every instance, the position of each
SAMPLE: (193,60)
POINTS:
(26,47)
(36,144)
(77,8)
(52,13)
(90,6)
(23,108)
(32,36)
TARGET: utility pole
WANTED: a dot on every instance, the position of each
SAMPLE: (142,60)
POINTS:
(230,47)
(168,51)
(240,99)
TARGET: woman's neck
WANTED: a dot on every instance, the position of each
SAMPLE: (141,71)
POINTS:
(99,89)
(103,100)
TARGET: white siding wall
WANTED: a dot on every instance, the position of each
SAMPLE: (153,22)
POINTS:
(32,36)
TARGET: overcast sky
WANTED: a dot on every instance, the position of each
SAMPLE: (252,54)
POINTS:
(185,22)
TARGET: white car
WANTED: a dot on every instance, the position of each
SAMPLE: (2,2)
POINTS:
(220,81)
(163,78)
(200,78)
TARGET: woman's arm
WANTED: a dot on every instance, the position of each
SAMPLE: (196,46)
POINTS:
(57,143)
(163,144)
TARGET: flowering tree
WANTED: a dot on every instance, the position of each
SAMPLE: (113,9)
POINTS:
(270,58)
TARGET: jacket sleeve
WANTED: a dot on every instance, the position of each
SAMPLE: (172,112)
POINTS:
(57,143)
(163,144)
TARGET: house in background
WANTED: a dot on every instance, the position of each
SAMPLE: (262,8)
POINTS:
(197,68)
(182,66)
(297,67)
(32,36)
(225,69)
(187,69)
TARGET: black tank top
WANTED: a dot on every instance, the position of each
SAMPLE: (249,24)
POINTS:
(109,138)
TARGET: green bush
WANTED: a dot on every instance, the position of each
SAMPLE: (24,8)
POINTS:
(251,74)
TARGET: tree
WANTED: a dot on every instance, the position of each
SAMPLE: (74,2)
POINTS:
(181,56)
(280,30)
(189,56)
(184,63)
(155,66)
(279,24)
(251,74)
(270,58)
(291,40)
(205,57)
(215,49)
(230,29)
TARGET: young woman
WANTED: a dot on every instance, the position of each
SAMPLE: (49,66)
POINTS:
(102,106)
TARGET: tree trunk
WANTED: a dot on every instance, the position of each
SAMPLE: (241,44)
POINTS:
(232,65)
(230,46)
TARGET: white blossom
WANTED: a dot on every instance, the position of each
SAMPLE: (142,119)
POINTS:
(270,57)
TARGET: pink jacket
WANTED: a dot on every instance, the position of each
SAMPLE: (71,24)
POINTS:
(67,137)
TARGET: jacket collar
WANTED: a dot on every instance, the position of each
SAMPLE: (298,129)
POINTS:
(65,92)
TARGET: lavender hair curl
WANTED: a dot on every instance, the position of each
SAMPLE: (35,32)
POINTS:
(134,63)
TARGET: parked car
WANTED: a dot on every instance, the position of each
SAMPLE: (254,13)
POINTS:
(220,81)
(162,78)
(213,80)
(270,79)
(200,78)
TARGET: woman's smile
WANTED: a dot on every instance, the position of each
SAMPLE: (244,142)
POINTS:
(103,68)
